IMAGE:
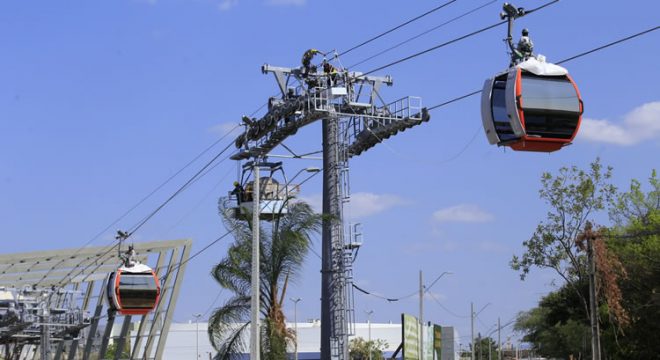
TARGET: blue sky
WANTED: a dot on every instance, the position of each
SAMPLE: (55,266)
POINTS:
(102,101)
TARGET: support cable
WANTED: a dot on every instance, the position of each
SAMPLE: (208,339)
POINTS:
(453,41)
(141,201)
(423,33)
(397,27)
(115,244)
(221,237)
(137,226)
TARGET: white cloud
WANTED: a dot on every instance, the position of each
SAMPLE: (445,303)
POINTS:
(226,5)
(286,2)
(362,204)
(315,201)
(462,213)
(222,129)
(641,124)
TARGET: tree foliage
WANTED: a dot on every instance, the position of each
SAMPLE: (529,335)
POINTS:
(573,196)
(282,253)
(628,279)
(359,349)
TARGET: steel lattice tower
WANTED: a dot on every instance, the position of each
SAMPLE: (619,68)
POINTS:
(354,119)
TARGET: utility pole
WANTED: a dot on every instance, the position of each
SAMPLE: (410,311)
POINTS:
(595,331)
(472,329)
(255,348)
(197,316)
(295,324)
(499,340)
(369,313)
(421,317)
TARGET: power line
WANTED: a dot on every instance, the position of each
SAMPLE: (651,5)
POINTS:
(446,309)
(426,290)
(398,27)
(453,40)
(423,33)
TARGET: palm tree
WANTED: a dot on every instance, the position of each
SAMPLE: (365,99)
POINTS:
(283,250)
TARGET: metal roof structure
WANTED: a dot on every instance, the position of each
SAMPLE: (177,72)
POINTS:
(76,279)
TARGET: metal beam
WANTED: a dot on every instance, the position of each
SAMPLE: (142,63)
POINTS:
(183,261)
(121,342)
(91,334)
(157,312)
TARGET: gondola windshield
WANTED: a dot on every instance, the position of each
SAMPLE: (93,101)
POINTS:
(137,291)
(550,105)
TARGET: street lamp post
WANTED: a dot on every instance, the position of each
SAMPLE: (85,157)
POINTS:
(295,324)
(472,316)
(255,347)
(197,316)
(423,290)
(369,313)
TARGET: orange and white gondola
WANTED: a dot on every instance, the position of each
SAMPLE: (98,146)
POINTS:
(133,289)
(533,106)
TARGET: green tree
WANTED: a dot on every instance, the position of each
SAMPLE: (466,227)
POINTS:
(574,196)
(559,327)
(635,239)
(283,250)
(482,348)
(359,349)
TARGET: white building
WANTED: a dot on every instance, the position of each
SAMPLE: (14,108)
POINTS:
(186,340)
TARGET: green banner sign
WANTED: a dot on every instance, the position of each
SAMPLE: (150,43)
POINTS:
(437,341)
(410,336)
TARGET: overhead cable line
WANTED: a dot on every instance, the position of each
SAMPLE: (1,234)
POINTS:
(446,309)
(426,290)
(137,226)
(609,44)
(222,236)
(453,41)
(397,27)
(194,178)
(616,42)
(141,201)
(423,33)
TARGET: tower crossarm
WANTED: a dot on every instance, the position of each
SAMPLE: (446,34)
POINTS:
(375,131)
(308,97)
